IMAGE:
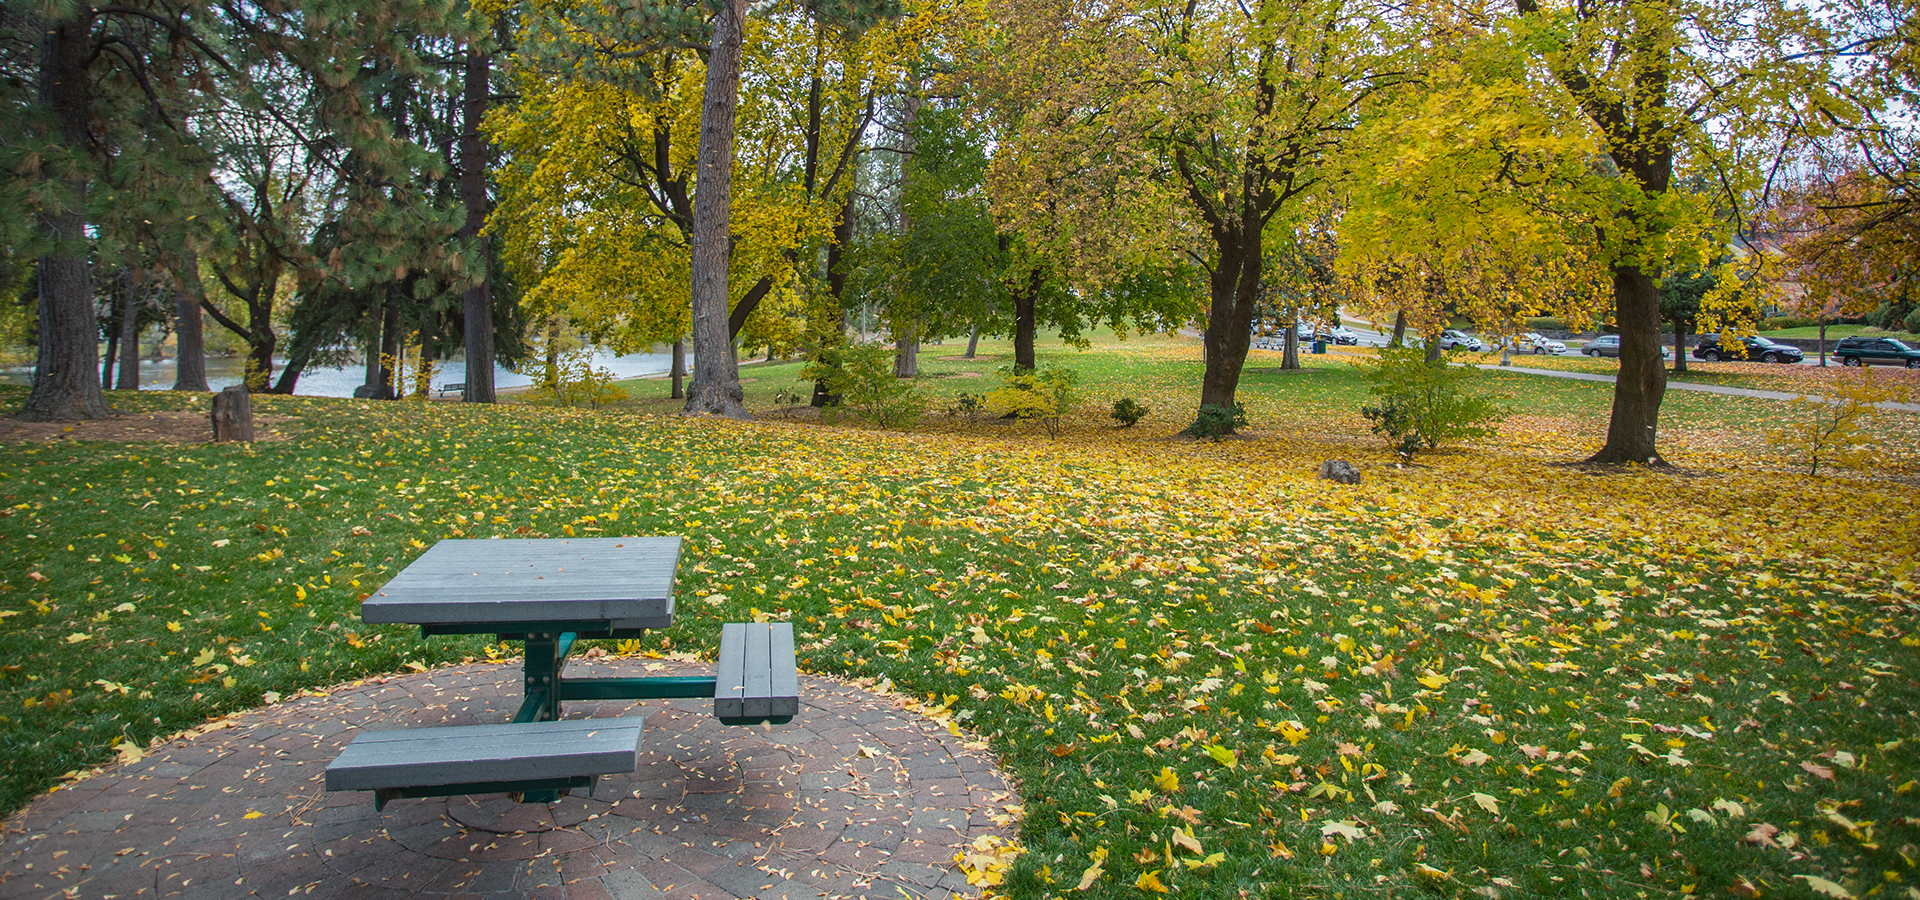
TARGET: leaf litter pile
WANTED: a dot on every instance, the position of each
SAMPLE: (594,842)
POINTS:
(1214,674)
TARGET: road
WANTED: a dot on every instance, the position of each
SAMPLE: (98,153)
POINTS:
(1690,386)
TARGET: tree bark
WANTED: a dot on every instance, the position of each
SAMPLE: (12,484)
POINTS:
(973,340)
(679,369)
(113,353)
(66,384)
(1290,347)
(1399,338)
(1823,345)
(189,335)
(716,372)
(1633,432)
(906,353)
(1024,322)
(1679,347)
(390,348)
(832,333)
(370,377)
(232,415)
(129,379)
(477,302)
(1233,289)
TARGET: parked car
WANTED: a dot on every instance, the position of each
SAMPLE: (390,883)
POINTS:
(1752,347)
(1537,344)
(1342,335)
(1860,350)
(1609,345)
(1454,337)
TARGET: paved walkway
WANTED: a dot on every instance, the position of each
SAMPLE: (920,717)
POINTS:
(1691,386)
(855,798)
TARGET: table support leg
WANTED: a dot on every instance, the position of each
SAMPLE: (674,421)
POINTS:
(546,655)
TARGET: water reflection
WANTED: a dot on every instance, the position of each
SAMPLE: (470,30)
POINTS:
(340,382)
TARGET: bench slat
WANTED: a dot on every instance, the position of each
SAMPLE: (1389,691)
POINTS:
(754,701)
(785,677)
(755,677)
(422,757)
(729,679)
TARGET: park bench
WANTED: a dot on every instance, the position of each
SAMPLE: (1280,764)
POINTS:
(549,594)
(454,387)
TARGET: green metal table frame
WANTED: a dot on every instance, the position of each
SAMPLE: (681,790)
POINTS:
(544,685)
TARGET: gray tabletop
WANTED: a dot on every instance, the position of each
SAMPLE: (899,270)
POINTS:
(626,582)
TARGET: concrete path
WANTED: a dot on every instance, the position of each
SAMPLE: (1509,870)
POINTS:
(855,798)
(1690,386)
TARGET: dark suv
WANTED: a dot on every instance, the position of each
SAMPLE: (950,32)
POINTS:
(1860,350)
(1754,347)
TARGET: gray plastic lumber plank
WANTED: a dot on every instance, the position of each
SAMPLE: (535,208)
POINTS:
(572,579)
(729,682)
(419,757)
(784,685)
(758,678)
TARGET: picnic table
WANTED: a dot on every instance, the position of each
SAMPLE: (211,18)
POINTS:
(548,594)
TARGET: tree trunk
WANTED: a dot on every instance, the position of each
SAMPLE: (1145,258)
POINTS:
(189,335)
(232,415)
(973,340)
(129,379)
(551,376)
(290,373)
(1233,288)
(113,353)
(390,349)
(1633,432)
(477,302)
(832,333)
(1823,345)
(679,369)
(906,352)
(1679,347)
(716,372)
(66,385)
(370,377)
(1025,321)
(1399,338)
(1290,347)
(423,375)
(1433,349)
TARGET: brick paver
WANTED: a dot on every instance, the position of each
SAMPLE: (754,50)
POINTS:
(857,798)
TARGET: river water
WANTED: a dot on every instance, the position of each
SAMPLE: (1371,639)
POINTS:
(340,382)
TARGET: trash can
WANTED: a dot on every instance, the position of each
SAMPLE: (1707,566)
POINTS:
(1319,346)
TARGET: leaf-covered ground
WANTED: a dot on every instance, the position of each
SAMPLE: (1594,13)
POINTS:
(1214,674)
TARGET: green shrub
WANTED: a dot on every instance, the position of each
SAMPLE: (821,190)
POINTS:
(1545,323)
(1215,421)
(1782,323)
(1423,405)
(1913,321)
(1042,396)
(1891,316)
(576,381)
(969,405)
(862,374)
(1127,411)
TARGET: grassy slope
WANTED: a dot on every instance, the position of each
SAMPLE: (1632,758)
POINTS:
(1487,671)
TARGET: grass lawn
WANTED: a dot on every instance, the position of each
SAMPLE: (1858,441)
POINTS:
(1214,674)
(1836,332)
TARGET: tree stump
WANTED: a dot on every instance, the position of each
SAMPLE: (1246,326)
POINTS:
(232,415)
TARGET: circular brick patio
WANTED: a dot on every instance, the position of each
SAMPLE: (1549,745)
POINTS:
(857,797)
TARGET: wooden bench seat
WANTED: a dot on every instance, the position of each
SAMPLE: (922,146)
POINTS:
(453,387)
(755,679)
(484,759)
